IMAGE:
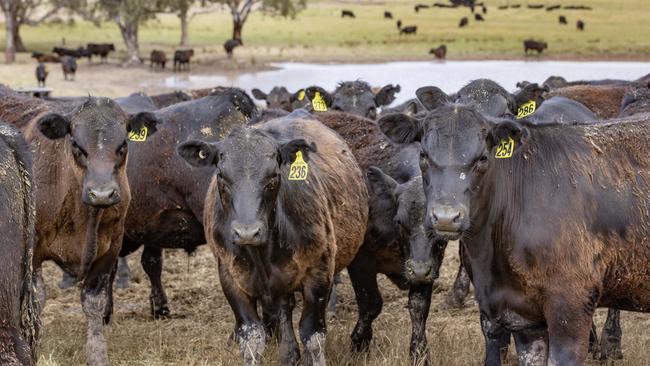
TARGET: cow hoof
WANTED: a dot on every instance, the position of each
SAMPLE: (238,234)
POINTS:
(361,341)
(611,352)
(107,319)
(67,281)
(161,313)
(122,282)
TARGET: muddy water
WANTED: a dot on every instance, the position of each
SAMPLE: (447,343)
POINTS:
(448,75)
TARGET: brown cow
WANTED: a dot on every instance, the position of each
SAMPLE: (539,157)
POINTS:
(82,194)
(158,58)
(604,100)
(440,52)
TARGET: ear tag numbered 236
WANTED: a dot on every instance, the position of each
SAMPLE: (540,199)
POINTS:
(526,109)
(505,148)
(138,136)
(299,168)
(318,103)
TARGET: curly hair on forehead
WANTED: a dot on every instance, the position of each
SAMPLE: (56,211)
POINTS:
(356,84)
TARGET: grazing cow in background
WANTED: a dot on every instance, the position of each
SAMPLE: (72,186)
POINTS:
(43,58)
(158,58)
(41,74)
(167,99)
(536,6)
(399,24)
(484,8)
(182,58)
(420,6)
(286,209)
(463,22)
(388,15)
(515,6)
(478,17)
(580,25)
(502,7)
(530,44)
(347,13)
(78,53)
(410,29)
(562,19)
(230,45)
(69,67)
(82,194)
(355,97)
(100,49)
(18,301)
(553,7)
(281,98)
(440,52)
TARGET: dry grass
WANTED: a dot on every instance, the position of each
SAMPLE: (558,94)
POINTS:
(198,333)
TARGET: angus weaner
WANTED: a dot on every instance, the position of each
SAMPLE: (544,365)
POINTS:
(19,320)
(280,98)
(355,97)
(82,194)
(286,210)
(552,219)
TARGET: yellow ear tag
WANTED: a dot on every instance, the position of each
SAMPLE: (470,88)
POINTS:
(526,109)
(299,169)
(318,103)
(301,95)
(505,148)
(139,136)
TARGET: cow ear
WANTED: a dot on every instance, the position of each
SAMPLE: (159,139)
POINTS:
(311,93)
(143,119)
(411,108)
(531,91)
(258,94)
(287,151)
(505,131)
(386,95)
(400,128)
(382,185)
(432,97)
(198,153)
(298,96)
(54,126)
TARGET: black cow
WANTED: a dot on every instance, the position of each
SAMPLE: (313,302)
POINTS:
(410,107)
(182,58)
(535,6)
(440,52)
(41,74)
(553,7)
(580,25)
(355,97)
(281,98)
(538,46)
(562,19)
(18,301)
(399,24)
(410,29)
(78,53)
(515,6)
(347,13)
(100,49)
(417,7)
(484,8)
(463,22)
(388,15)
(136,103)
(158,58)
(230,45)
(503,7)
(478,17)
(69,67)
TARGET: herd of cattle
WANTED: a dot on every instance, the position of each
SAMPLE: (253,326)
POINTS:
(547,189)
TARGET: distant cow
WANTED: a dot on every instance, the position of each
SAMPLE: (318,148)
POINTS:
(43,58)
(440,52)
(41,74)
(530,44)
(100,49)
(182,58)
(18,301)
(463,22)
(580,25)
(478,17)
(69,67)
(230,45)
(399,24)
(503,7)
(536,6)
(410,29)
(515,6)
(281,98)
(420,6)
(577,7)
(562,19)
(158,58)
(78,53)
(484,8)
(388,15)
(553,7)
(347,13)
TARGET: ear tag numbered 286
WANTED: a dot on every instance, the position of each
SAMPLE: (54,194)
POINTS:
(299,169)
(526,109)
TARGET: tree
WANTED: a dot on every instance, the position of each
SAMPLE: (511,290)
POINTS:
(186,11)
(240,9)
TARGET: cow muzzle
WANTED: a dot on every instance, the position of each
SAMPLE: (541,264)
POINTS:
(102,196)
(419,272)
(447,221)
(248,234)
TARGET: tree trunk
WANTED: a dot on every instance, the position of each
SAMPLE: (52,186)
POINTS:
(184,27)
(237,26)
(18,40)
(10,51)
(129,33)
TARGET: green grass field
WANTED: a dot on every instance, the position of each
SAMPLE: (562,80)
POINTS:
(614,30)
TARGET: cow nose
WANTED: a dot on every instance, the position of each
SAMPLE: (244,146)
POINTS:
(247,234)
(446,218)
(103,196)
(419,272)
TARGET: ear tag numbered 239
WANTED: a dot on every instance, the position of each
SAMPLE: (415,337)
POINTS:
(299,168)
(526,109)
(505,148)
(318,103)
(138,136)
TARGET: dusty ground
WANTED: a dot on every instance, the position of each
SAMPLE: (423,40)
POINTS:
(198,333)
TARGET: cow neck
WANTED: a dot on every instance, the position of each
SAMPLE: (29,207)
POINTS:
(261,268)
(90,245)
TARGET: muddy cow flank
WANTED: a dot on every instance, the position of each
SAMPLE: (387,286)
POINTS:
(355,97)
(280,98)
(286,210)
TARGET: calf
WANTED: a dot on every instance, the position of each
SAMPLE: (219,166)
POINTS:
(562,20)
(530,44)
(355,97)
(100,49)
(230,45)
(158,58)
(478,17)
(410,29)
(182,58)
(440,52)
(281,98)
(69,67)
(347,13)
(463,22)
(82,194)
(286,209)
(388,15)
(20,324)
(43,58)
(580,25)
(41,74)
(167,99)
(542,280)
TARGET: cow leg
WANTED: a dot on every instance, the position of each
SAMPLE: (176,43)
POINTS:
(497,340)
(331,306)
(67,281)
(593,341)
(369,303)
(459,292)
(610,339)
(419,303)
(289,349)
(312,322)
(532,346)
(568,330)
(152,261)
(108,311)
(123,273)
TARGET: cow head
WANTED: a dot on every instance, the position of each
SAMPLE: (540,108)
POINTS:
(248,178)
(96,140)
(281,98)
(356,97)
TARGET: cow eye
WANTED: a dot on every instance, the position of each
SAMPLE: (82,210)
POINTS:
(77,150)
